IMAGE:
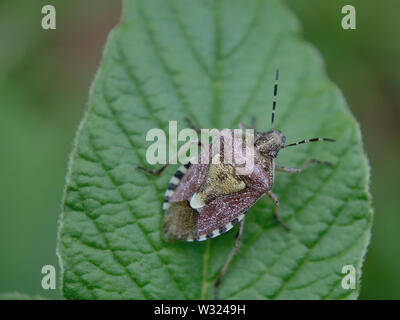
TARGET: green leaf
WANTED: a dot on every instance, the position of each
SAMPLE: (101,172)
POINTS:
(18,296)
(214,62)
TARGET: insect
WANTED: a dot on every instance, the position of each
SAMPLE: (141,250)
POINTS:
(203,201)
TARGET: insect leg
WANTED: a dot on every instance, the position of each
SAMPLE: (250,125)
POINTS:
(243,126)
(192,125)
(303,167)
(274,198)
(230,256)
(155,172)
(182,150)
(254,122)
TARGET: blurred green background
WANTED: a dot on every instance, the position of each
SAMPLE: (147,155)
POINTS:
(44,81)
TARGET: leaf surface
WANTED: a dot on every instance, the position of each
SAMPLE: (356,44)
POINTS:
(214,62)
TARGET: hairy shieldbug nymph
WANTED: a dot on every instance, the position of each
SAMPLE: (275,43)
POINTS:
(203,201)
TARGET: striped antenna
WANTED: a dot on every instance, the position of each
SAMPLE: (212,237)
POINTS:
(274,99)
(309,140)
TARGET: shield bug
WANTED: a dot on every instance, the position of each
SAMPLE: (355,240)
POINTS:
(203,201)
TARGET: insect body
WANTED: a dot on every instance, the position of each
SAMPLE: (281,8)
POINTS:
(203,201)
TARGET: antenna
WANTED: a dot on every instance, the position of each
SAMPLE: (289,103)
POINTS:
(274,99)
(309,140)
